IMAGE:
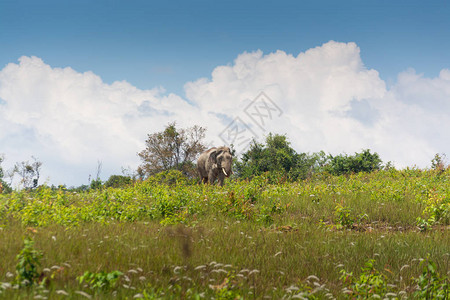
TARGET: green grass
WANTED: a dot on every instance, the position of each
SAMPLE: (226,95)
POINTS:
(247,239)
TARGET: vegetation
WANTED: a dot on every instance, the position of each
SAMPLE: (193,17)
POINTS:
(277,157)
(28,261)
(117,181)
(4,187)
(101,280)
(287,225)
(360,162)
(29,173)
(173,148)
(346,236)
(283,162)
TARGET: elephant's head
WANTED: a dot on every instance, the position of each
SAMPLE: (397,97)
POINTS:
(222,160)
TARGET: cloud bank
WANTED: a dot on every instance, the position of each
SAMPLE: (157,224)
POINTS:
(328,100)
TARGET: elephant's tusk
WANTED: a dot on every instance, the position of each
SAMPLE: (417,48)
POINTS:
(223,170)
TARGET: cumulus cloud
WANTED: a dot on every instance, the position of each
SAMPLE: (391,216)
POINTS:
(315,90)
(70,119)
(332,102)
(329,101)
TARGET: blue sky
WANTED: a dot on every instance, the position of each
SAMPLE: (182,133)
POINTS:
(80,81)
(167,43)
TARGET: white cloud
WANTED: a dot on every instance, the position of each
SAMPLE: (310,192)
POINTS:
(70,119)
(314,90)
(330,101)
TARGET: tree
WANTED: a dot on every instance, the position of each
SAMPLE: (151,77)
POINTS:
(438,162)
(360,162)
(3,185)
(28,172)
(277,157)
(173,148)
(96,183)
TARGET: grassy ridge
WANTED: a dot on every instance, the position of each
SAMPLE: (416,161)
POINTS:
(247,239)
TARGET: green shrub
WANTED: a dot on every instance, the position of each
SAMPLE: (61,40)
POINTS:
(430,284)
(170,177)
(277,158)
(118,181)
(28,261)
(370,284)
(343,216)
(96,184)
(360,162)
(100,280)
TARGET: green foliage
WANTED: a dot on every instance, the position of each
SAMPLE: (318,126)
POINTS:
(263,231)
(278,158)
(437,210)
(281,161)
(96,184)
(28,261)
(169,177)
(101,280)
(170,198)
(4,187)
(370,284)
(360,162)
(438,162)
(118,181)
(343,216)
(430,284)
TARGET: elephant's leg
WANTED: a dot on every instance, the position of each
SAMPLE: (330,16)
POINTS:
(204,180)
(211,177)
(221,178)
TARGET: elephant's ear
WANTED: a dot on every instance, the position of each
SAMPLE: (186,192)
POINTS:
(213,157)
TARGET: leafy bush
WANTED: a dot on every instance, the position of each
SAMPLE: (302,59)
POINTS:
(360,162)
(370,284)
(430,284)
(118,181)
(277,158)
(96,184)
(437,211)
(100,280)
(170,177)
(281,161)
(343,216)
(28,261)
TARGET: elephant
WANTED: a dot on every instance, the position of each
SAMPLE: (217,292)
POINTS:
(215,163)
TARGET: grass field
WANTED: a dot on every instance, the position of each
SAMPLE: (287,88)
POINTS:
(383,234)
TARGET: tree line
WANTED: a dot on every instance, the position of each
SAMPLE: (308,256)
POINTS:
(170,155)
(177,149)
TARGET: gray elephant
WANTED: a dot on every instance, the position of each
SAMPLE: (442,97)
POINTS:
(215,163)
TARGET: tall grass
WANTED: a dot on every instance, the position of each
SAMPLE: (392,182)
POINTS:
(246,239)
